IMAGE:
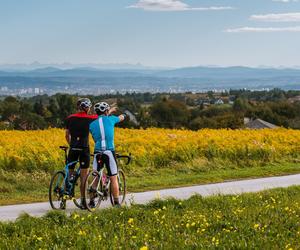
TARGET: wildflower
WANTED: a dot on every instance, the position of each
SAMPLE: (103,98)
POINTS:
(144,248)
(76,216)
(82,232)
(256,226)
(130,221)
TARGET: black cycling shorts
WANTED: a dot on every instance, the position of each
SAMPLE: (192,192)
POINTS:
(81,154)
(107,158)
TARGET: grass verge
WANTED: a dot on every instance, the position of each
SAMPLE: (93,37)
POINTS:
(22,187)
(266,220)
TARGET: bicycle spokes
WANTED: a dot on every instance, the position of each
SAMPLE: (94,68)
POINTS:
(93,190)
(56,190)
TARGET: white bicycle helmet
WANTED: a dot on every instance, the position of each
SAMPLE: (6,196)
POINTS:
(84,103)
(101,107)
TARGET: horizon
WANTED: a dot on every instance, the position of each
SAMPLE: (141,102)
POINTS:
(119,66)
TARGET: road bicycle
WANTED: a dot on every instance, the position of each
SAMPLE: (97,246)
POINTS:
(62,187)
(98,185)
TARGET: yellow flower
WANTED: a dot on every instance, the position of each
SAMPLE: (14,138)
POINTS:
(130,220)
(82,232)
(75,216)
(144,248)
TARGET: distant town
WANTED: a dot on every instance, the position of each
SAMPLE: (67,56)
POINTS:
(87,81)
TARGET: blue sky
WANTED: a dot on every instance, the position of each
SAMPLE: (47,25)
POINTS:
(152,32)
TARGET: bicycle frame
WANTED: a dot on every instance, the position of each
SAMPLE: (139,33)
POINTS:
(105,185)
(67,171)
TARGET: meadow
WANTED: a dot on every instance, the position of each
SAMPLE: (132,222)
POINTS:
(161,158)
(266,220)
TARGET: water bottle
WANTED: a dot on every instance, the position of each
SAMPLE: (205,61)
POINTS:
(72,178)
(104,179)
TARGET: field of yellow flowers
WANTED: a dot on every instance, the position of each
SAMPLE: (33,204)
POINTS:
(38,150)
(267,220)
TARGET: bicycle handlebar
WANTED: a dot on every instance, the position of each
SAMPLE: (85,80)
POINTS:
(118,156)
(128,157)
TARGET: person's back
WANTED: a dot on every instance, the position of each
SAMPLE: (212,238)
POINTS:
(102,131)
(78,127)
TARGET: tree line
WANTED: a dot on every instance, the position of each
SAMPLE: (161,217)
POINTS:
(165,110)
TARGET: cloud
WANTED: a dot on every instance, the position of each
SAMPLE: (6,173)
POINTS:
(172,5)
(283,17)
(261,29)
(286,1)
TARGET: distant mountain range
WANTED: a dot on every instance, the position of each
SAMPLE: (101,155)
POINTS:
(105,66)
(191,72)
(148,79)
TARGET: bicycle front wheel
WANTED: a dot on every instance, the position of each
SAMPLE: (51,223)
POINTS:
(57,191)
(93,190)
(122,188)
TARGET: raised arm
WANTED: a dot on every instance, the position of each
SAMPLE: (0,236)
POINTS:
(114,110)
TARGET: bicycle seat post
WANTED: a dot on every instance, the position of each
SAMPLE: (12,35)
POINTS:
(66,156)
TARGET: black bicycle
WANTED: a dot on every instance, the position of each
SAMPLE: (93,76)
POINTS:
(62,188)
(98,185)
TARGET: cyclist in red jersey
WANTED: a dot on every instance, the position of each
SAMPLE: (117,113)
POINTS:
(77,136)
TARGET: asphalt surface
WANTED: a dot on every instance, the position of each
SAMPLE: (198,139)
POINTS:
(8,213)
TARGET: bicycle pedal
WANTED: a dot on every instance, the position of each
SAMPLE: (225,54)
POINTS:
(62,205)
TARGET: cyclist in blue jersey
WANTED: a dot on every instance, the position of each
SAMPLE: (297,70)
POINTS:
(102,131)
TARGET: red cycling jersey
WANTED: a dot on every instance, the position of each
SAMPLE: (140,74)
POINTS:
(78,126)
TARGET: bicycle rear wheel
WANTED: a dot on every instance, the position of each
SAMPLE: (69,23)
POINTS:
(57,191)
(122,188)
(93,190)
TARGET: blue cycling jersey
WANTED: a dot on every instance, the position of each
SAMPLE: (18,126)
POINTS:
(102,131)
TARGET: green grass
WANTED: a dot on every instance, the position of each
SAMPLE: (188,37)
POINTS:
(22,187)
(267,220)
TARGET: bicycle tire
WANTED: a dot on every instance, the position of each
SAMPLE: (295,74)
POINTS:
(58,179)
(122,188)
(92,193)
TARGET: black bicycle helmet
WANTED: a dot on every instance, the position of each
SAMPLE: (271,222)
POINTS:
(84,103)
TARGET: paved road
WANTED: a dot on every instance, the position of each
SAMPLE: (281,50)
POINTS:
(234,187)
